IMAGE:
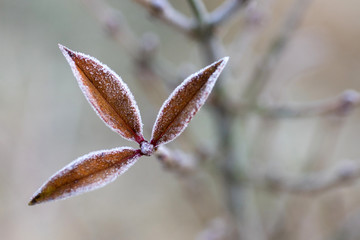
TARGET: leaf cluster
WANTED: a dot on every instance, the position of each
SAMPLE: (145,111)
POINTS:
(114,103)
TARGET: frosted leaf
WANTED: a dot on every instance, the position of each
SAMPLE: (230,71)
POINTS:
(87,173)
(184,102)
(107,93)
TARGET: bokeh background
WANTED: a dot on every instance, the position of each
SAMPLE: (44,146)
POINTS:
(45,121)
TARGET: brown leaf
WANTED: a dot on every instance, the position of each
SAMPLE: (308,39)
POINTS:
(184,102)
(107,93)
(86,173)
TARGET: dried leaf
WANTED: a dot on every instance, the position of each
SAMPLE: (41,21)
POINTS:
(107,93)
(184,102)
(86,173)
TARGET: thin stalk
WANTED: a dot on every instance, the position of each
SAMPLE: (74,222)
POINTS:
(199,10)
(262,72)
(226,11)
(165,12)
(224,122)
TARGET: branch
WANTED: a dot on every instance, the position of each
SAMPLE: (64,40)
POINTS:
(200,12)
(264,68)
(163,10)
(342,174)
(340,105)
(226,11)
(193,180)
(176,160)
(114,24)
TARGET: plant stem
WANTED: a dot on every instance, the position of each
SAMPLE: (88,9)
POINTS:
(224,122)
(226,10)
(199,10)
(163,10)
(262,72)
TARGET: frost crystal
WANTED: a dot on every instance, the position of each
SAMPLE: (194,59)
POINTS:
(146,148)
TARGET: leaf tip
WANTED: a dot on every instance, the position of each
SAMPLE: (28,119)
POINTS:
(61,46)
(222,62)
(34,200)
(225,60)
(66,51)
(44,194)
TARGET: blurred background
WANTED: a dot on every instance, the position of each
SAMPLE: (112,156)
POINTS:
(45,121)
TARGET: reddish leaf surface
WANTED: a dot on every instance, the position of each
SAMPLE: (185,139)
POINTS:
(107,93)
(86,173)
(184,102)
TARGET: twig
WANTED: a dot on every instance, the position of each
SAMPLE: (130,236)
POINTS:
(263,70)
(340,105)
(342,174)
(176,160)
(192,179)
(114,24)
(163,10)
(200,12)
(225,122)
(226,11)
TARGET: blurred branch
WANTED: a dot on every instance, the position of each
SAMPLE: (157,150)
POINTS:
(340,105)
(199,10)
(192,179)
(164,11)
(176,160)
(227,164)
(226,11)
(114,24)
(262,71)
(342,174)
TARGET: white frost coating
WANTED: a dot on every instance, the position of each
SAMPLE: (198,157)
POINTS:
(106,70)
(146,148)
(200,99)
(109,177)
